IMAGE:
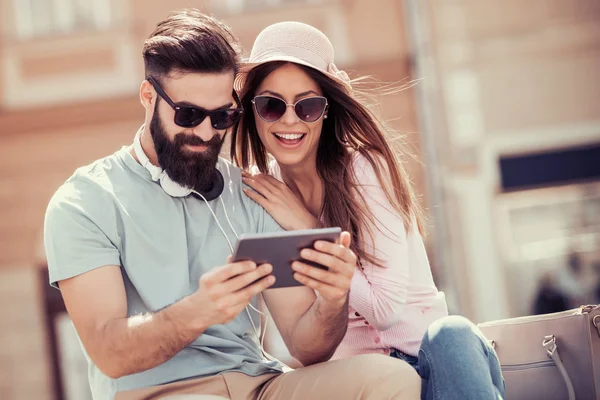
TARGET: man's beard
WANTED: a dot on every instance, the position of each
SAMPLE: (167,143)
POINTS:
(194,170)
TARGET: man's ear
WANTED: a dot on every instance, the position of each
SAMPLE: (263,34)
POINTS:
(147,95)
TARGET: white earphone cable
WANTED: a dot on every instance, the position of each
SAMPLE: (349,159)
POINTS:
(217,220)
(260,334)
(228,221)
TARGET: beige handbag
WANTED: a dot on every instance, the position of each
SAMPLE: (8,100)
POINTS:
(551,356)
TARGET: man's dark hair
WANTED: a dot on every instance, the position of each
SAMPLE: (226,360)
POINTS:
(190,41)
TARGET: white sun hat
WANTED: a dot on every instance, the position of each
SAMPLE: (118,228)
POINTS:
(294,42)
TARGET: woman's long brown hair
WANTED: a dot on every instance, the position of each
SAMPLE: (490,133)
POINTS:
(349,127)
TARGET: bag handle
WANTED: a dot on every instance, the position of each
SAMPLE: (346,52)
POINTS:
(551,347)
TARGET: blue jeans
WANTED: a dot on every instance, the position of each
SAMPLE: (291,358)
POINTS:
(455,361)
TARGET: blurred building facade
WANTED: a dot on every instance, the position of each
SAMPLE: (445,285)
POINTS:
(500,79)
(512,107)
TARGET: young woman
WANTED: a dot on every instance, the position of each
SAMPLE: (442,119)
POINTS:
(333,166)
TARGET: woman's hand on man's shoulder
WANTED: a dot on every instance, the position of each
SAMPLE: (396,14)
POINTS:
(279,201)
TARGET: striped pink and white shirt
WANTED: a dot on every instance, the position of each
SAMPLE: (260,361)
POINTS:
(390,306)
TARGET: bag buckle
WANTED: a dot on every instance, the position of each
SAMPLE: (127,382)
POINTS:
(596,322)
(549,344)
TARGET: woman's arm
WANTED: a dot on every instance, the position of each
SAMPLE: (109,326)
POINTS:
(379,293)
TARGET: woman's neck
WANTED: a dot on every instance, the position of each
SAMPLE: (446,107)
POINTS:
(306,183)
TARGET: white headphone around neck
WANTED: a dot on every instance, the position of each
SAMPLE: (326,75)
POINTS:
(171,187)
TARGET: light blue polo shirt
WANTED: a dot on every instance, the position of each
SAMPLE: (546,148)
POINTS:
(111,213)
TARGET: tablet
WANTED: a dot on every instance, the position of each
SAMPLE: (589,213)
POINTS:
(280,249)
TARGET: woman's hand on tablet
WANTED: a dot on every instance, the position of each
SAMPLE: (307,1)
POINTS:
(332,284)
(279,201)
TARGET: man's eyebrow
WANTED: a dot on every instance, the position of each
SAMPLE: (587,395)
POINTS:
(188,104)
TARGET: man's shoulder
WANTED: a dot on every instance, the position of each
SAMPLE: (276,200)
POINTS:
(89,183)
(232,175)
(103,168)
(229,170)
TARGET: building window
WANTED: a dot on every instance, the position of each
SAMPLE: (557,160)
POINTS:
(238,6)
(38,18)
(65,51)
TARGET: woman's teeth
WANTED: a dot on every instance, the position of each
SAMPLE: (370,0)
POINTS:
(289,136)
(290,139)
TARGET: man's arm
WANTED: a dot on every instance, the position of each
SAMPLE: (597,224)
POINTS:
(119,346)
(312,327)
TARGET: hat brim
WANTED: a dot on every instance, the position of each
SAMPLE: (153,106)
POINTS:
(246,67)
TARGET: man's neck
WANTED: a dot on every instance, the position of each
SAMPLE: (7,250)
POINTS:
(148,146)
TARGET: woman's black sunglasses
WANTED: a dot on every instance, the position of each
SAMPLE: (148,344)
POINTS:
(189,117)
(271,108)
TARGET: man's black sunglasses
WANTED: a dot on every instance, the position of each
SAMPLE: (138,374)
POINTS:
(189,117)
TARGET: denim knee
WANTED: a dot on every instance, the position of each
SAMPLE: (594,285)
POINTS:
(452,332)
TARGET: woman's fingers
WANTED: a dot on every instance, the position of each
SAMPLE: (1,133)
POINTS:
(345,239)
(257,197)
(258,186)
(319,274)
(336,250)
(270,183)
(273,182)
(326,290)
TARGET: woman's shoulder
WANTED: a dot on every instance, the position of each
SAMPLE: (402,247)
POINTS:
(365,169)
